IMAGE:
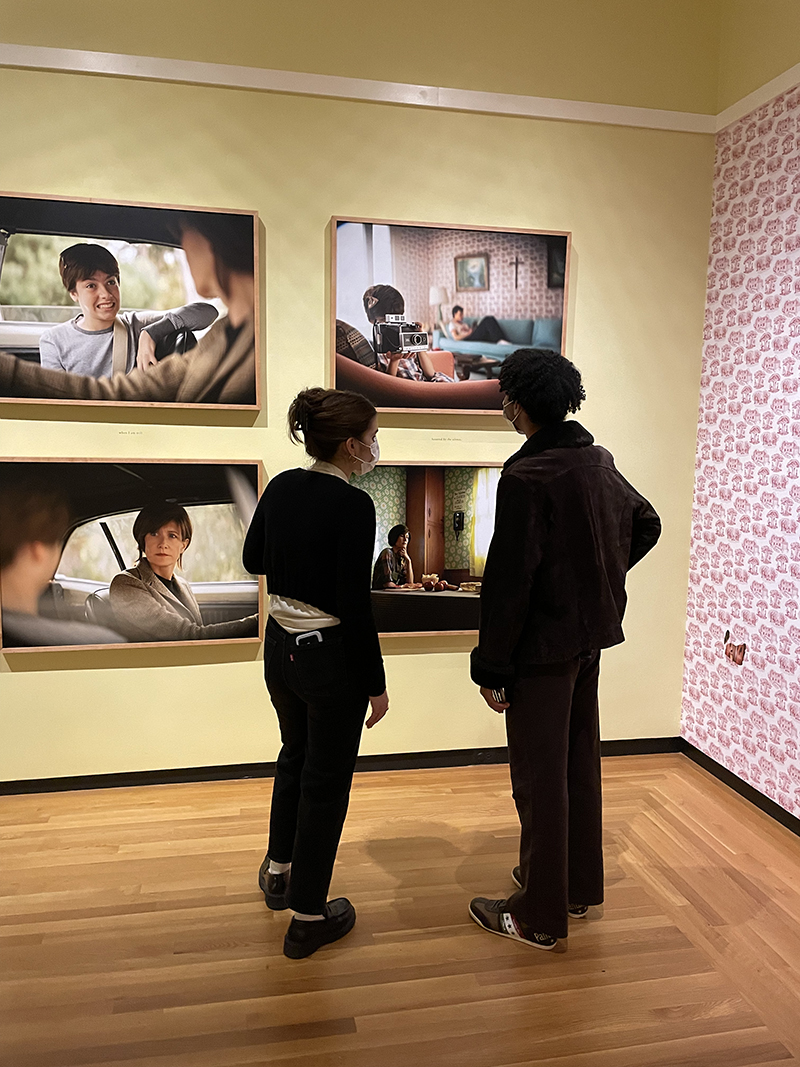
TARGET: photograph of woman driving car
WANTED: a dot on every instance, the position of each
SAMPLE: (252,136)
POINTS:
(150,601)
(322,659)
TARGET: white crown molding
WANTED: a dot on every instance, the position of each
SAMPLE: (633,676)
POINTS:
(762,95)
(284,81)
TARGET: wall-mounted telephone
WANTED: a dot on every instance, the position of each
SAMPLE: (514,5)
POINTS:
(458,522)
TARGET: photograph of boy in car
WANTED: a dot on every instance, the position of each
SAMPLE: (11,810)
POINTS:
(220,369)
(89,343)
(34,519)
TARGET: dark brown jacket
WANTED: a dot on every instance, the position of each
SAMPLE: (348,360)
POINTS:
(568,527)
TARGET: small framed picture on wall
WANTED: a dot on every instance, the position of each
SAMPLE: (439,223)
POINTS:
(472,274)
(556,262)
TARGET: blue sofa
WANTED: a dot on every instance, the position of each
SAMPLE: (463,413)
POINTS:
(522,333)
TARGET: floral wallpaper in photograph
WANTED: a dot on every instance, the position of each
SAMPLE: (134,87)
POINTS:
(741,705)
(457,488)
(387,487)
(518,289)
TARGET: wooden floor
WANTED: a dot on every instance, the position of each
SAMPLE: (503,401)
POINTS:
(133,932)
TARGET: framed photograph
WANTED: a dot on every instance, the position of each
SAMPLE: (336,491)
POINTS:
(99,306)
(411,336)
(104,553)
(442,516)
(472,274)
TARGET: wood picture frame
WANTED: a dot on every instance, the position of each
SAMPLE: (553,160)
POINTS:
(474,390)
(472,273)
(100,490)
(75,220)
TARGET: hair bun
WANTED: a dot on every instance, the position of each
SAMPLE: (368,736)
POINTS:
(302,411)
(327,417)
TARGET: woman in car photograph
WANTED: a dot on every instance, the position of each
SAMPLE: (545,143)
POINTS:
(221,369)
(313,534)
(150,601)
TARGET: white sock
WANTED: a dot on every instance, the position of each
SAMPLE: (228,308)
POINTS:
(278,868)
(308,918)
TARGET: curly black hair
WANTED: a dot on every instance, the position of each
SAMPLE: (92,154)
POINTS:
(546,385)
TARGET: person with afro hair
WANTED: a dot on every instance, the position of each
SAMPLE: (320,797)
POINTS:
(568,527)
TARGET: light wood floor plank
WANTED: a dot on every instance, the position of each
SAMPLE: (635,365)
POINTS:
(132,933)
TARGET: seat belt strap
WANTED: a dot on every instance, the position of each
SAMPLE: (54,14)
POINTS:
(119,348)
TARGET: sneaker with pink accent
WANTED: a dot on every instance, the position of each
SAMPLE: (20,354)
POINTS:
(494,916)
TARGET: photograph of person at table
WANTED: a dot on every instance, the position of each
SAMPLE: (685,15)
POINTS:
(393,567)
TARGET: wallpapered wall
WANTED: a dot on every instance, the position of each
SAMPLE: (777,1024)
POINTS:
(425,257)
(745,558)
(457,480)
(387,487)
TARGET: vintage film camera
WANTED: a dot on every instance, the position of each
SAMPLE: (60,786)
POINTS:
(396,335)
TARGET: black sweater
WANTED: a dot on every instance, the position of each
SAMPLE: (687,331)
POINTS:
(313,536)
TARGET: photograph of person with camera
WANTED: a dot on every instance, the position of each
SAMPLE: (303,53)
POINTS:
(401,348)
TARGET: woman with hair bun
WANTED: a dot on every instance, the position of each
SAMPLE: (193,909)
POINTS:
(322,658)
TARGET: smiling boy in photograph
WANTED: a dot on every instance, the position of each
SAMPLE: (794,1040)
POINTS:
(100,341)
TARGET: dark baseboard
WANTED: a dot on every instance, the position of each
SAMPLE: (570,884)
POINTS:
(171,776)
(641,746)
(400,761)
(744,789)
(415,761)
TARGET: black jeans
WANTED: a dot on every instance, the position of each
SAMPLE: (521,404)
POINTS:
(554,755)
(321,716)
(488,329)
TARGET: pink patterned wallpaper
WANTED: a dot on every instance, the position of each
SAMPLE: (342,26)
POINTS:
(745,555)
(425,257)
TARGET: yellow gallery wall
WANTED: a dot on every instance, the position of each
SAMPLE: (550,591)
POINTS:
(638,205)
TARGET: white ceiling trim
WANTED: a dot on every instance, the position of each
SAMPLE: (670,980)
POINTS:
(284,81)
(762,95)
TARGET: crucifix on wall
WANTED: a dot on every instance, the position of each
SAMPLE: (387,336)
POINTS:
(516,263)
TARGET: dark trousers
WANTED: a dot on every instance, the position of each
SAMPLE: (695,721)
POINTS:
(554,754)
(321,716)
(488,329)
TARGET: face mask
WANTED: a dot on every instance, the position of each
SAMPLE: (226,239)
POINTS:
(507,403)
(369,464)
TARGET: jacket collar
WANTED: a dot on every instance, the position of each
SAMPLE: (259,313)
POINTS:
(146,573)
(561,435)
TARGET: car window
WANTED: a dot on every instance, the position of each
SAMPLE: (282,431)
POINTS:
(214,555)
(155,277)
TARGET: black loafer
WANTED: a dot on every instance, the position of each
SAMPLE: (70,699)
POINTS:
(273,886)
(303,938)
